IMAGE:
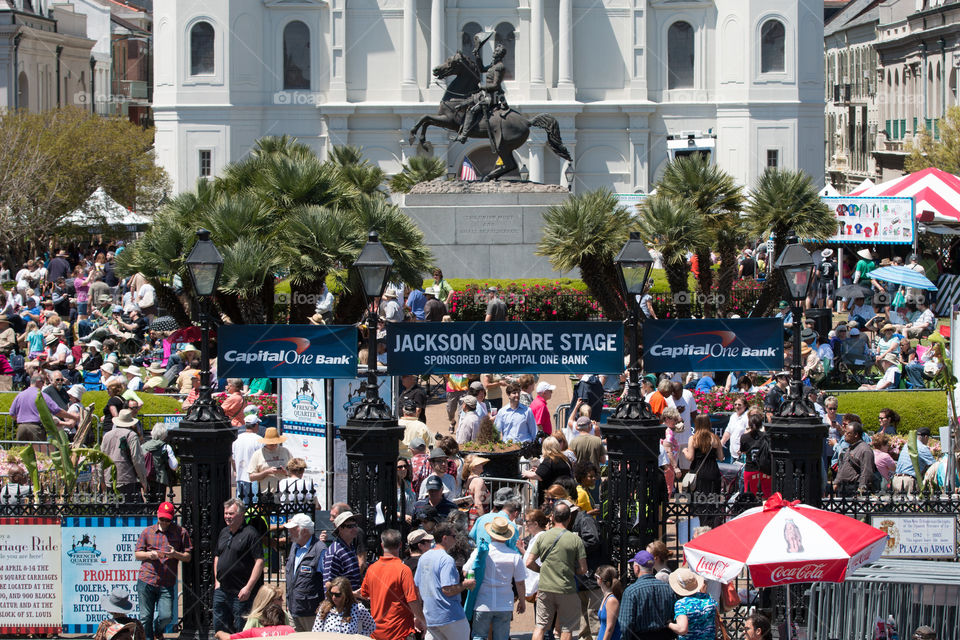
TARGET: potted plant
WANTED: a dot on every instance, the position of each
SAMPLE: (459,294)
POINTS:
(504,455)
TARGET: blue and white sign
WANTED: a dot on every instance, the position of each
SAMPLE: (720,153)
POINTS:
(303,401)
(508,347)
(286,351)
(734,344)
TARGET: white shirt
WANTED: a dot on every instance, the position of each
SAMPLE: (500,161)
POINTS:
(134,383)
(685,406)
(825,351)
(533,578)
(146,295)
(735,427)
(889,377)
(504,566)
(246,444)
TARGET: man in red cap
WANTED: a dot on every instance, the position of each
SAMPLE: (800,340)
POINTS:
(160,547)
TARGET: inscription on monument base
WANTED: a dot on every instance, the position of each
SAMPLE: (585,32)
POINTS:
(491,226)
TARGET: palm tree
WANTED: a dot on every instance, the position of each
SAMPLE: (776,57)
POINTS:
(586,231)
(715,195)
(419,169)
(673,227)
(280,210)
(785,203)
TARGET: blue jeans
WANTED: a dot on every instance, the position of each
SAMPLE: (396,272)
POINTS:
(496,622)
(156,608)
(229,612)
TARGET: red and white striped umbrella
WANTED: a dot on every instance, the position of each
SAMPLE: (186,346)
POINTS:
(785,543)
(935,193)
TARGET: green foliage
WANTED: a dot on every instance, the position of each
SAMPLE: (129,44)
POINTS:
(916,408)
(586,232)
(53,160)
(280,210)
(419,169)
(151,403)
(944,153)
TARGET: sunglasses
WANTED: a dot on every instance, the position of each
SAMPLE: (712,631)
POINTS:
(352,525)
(403,466)
(335,594)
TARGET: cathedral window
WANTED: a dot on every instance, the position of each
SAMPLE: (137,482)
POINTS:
(201,49)
(772,42)
(296,56)
(680,54)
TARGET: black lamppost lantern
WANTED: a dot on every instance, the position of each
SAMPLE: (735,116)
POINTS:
(203,440)
(371,432)
(633,435)
(524,173)
(796,431)
(568,174)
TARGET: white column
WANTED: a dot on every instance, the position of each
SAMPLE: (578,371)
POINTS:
(535,161)
(338,51)
(409,64)
(437,27)
(565,43)
(537,89)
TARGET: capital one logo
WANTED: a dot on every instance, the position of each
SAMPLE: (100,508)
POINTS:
(722,349)
(294,356)
(812,572)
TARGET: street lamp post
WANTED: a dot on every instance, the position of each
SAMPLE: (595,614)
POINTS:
(796,431)
(371,431)
(635,486)
(203,440)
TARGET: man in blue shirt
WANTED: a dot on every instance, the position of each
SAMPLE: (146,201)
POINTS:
(646,607)
(440,588)
(506,503)
(904,477)
(516,422)
(415,302)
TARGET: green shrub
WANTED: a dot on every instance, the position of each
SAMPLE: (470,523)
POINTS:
(152,403)
(916,408)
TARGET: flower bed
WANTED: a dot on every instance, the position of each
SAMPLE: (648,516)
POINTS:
(526,302)
(721,401)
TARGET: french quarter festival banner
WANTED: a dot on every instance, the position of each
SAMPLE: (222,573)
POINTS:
(734,344)
(509,347)
(286,351)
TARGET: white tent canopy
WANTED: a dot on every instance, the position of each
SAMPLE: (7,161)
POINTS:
(102,210)
(829,191)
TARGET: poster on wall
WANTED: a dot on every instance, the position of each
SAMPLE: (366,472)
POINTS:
(918,536)
(867,221)
(97,558)
(303,401)
(347,393)
(309,443)
(30,595)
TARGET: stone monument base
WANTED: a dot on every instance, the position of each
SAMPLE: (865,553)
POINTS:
(484,229)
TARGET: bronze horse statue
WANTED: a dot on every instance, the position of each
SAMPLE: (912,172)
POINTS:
(510,128)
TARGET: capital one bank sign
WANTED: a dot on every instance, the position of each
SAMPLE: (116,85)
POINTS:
(736,344)
(286,351)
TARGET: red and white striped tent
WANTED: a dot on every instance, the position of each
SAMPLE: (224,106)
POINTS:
(935,193)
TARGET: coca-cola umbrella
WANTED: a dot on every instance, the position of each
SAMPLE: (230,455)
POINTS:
(784,543)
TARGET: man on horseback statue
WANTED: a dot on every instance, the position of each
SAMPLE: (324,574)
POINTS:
(490,95)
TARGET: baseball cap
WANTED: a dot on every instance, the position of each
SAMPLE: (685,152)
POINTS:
(923,431)
(543,385)
(417,536)
(583,422)
(476,386)
(251,419)
(165,510)
(301,520)
(643,558)
(470,401)
(417,443)
(429,513)
(854,332)
(652,379)
(434,483)
(438,454)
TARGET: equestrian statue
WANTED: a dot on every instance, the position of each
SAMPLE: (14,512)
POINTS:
(474,105)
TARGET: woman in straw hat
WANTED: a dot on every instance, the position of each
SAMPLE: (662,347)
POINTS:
(695,612)
(497,571)
(474,485)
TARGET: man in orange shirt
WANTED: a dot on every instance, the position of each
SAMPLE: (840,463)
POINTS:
(389,586)
(658,399)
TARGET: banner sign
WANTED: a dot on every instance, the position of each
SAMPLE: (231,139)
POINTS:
(303,401)
(309,443)
(286,351)
(97,558)
(507,347)
(731,344)
(872,220)
(30,594)
(920,536)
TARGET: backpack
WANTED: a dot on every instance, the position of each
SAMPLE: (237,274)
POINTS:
(158,468)
(151,470)
(19,378)
(761,454)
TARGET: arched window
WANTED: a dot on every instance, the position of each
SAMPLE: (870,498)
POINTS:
(23,91)
(506,36)
(680,56)
(201,49)
(296,56)
(772,41)
(466,36)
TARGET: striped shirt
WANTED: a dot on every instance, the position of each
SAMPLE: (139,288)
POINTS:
(647,605)
(340,559)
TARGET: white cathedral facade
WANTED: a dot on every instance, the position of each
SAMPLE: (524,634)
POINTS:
(632,82)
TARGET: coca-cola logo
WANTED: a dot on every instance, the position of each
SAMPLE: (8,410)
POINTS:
(713,567)
(812,572)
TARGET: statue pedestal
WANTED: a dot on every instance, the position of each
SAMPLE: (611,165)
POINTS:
(484,229)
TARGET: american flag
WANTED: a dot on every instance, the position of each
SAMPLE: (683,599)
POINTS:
(467,172)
